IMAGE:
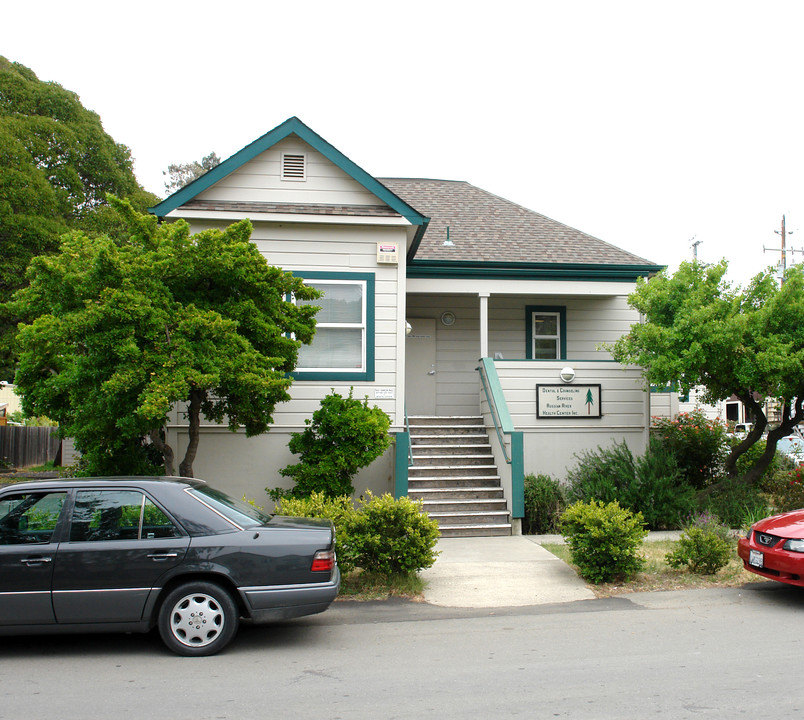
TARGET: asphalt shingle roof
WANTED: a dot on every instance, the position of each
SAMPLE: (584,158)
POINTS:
(487,228)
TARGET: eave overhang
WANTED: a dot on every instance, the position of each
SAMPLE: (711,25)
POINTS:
(529,271)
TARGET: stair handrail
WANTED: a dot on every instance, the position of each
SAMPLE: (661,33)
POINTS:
(501,418)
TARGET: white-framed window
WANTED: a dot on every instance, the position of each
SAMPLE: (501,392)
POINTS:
(343,346)
(546,333)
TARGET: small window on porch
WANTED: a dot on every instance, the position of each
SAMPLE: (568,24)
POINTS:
(546,333)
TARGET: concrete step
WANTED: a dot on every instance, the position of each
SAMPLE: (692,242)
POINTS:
(435,482)
(431,450)
(447,429)
(455,476)
(457,493)
(455,471)
(475,530)
(457,460)
(450,421)
(472,438)
(462,506)
(478,517)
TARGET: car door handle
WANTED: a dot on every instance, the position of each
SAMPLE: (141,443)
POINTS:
(162,556)
(36,561)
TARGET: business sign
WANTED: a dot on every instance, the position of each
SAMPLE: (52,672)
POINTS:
(568,401)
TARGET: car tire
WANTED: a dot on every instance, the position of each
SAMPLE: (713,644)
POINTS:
(197,619)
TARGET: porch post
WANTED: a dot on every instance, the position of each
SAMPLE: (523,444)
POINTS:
(484,324)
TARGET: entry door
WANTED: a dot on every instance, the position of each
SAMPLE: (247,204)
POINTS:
(420,367)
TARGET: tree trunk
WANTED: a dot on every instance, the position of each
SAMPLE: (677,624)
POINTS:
(194,419)
(167,451)
(792,415)
(760,423)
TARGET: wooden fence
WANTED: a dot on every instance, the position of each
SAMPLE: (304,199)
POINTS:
(28,446)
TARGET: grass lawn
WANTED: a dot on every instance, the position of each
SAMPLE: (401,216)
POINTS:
(658,575)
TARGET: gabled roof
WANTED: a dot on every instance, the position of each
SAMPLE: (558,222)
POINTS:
(486,230)
(291,126)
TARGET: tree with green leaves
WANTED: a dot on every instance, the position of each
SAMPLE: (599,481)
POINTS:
(700,331)
(183,174)
(117,332)
(343,436)
(56,166)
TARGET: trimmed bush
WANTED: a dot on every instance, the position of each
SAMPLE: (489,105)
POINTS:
(704,547)
(381,535)
(340,510)
(544,502)
(604,540)
(392,536)
(343,436)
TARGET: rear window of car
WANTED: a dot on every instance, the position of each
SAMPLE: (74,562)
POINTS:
(236,511)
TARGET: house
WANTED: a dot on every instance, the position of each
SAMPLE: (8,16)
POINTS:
(448,307)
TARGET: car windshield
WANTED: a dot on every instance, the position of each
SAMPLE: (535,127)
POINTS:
(237,511)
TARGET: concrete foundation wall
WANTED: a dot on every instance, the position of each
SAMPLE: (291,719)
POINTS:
(244,466)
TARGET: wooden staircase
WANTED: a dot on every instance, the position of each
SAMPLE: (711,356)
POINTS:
(455,476)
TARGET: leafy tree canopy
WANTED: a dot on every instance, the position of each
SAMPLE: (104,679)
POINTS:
(56,166)
(118,331)
(184,174)
(701,331)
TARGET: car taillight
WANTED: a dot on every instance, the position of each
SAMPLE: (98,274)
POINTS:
(323,561)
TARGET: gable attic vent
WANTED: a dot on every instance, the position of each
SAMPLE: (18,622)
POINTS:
(294,166)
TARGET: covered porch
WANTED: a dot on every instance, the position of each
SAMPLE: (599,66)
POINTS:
(487,351)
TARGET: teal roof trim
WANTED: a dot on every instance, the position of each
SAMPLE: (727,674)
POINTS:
(291,126)
(529,271)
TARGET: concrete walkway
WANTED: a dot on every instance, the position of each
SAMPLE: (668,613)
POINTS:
(479,572)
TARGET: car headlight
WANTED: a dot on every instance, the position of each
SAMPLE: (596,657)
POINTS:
(794,545)
(748,533)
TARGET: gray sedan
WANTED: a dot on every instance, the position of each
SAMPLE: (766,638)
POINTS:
(131,553)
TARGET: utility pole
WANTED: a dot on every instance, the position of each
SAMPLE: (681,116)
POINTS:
(695,243)
(783,233)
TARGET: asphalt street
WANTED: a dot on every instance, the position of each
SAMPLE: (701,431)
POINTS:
(720,653)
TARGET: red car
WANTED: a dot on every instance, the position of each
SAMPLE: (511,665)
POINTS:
(774,548)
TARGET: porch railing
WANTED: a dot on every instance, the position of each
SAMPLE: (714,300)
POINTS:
(511,440)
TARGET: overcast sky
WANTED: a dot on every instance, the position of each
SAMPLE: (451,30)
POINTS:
(643,123)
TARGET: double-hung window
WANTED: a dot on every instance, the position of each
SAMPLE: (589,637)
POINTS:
(343,346)
(547,332)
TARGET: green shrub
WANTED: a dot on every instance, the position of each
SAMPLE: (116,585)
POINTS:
(544,502)
(392,536)
(343,436)
(735,501)
(650,484)
(340,510)
(704,547)
(604,540)
(699,445)
(602,474)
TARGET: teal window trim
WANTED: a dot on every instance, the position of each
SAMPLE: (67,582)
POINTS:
(562,331)
(367,374)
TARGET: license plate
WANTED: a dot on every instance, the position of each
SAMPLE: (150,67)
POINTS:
(756,558)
